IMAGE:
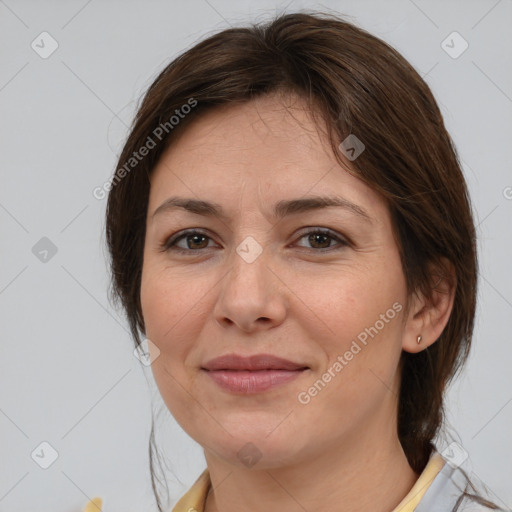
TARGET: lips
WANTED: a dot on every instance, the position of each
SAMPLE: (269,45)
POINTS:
(258,362)
(255,374)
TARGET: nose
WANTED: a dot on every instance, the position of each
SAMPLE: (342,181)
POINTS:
(252,296)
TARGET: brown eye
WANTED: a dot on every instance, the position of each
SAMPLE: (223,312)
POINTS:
(321,239)
(194,241)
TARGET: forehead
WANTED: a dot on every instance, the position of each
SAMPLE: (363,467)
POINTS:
(269,147)
(275,128)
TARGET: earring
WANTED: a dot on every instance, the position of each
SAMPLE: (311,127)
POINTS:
(418,340)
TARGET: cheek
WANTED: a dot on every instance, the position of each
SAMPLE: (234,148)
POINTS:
(167,308)
(350,304)
(158,306)
(361,315)
(170,313)
(175,307)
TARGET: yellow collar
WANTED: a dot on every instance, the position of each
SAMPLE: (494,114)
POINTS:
(195,498)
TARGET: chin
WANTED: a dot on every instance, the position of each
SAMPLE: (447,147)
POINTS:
(257,451)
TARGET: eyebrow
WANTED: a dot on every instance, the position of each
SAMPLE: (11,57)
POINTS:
(281,209)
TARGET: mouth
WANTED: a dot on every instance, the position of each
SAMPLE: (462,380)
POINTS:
(254,374)
(252,363)
(252,381)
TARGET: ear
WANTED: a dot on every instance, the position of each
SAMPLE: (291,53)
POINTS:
(427,317)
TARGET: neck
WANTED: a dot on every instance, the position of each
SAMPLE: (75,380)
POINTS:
(341,478)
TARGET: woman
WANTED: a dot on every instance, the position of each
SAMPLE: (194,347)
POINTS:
(290,230)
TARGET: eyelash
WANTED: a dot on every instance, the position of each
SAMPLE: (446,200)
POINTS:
(170,243)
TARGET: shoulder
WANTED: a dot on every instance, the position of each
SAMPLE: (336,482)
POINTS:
(452,490)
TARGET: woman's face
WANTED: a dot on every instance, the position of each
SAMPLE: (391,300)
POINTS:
(260,280)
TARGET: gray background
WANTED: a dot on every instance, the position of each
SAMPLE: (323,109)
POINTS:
(68,373)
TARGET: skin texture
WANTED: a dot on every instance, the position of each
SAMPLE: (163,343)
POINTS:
(296,300)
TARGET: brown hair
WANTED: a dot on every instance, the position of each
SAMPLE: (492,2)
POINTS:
(357,84)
